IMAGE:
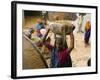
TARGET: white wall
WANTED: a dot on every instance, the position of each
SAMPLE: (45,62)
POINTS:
(5,40)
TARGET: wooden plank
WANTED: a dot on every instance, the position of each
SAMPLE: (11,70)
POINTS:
(32,57)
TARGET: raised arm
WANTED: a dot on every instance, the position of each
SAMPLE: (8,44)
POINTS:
(71,42)
(48,45)
(44,38)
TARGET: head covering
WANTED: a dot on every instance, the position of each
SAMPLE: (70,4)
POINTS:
(57,36)
(61,39)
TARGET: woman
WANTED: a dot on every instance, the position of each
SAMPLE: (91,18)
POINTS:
(87,33)
(60,55)
(39,26)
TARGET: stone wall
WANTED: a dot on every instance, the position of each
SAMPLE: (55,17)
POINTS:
(62,15)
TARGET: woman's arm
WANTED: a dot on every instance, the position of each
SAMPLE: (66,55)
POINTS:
(45,42)
(44,38)
(71,42)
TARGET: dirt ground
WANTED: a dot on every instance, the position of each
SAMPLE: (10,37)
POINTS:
(80,54)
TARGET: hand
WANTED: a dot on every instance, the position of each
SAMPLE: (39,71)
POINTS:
(71,35)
